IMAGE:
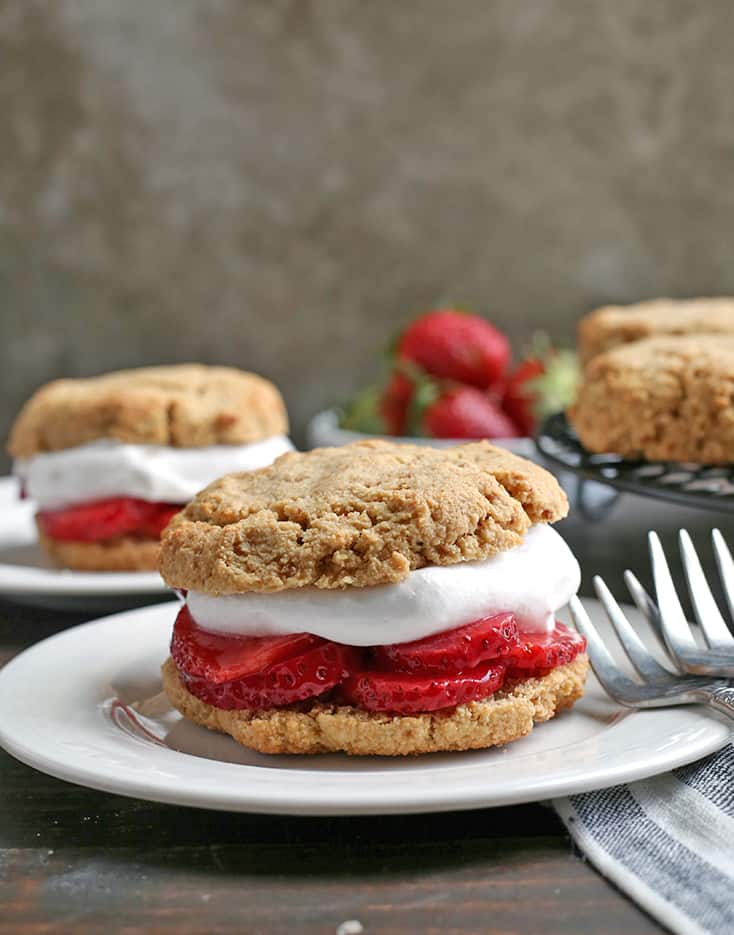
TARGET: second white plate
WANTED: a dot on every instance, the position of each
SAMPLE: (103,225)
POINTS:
(27,576)
(86,706)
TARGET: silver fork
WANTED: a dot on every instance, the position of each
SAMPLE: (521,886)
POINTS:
(694,674)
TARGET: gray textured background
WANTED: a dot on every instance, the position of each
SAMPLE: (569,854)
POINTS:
(278,185)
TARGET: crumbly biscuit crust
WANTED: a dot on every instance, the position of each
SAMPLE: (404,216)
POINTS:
(185,406)
(613,325)
(360,515)
(123,554)
(664,399)
(323,728)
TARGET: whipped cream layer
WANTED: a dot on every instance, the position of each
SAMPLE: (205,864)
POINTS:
(533,580)
(159,473)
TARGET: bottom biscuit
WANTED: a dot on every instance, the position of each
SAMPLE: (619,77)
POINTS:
(123,554)
(318,727)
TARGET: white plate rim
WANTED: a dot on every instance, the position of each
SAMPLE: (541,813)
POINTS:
(185,779)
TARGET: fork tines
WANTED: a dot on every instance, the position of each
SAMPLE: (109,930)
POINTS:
(668,621)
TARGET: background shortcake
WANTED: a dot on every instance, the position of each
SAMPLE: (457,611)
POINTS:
(658,381)
(109,460)
(376,598)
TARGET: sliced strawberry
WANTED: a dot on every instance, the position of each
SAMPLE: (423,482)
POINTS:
(159,519)
(465,412)
(106,519)
(220,657)
(453,345)
(408,693)
(453,650)
(297,678)
(538,654)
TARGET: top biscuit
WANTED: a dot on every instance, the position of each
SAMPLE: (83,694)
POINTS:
(613,325)
(356,516)
(184,406)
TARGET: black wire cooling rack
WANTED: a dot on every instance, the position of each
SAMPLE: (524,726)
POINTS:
(708,487)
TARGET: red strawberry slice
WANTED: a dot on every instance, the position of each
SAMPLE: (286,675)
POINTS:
(409,693)
(297,678)
(455,346)
(220,657)
(465,412)
(158,519)
(538,654)
(453,650)
(106,519)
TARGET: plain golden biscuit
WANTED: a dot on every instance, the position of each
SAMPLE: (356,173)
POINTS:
(614,325)
(183,406)
(124,554)
(357,516)
(668,399)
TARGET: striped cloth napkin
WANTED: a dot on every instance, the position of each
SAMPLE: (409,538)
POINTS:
(667,842)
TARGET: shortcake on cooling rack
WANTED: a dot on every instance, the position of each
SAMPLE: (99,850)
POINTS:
(614,325)
(661,399)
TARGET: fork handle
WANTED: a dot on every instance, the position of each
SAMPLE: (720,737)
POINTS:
(721,699)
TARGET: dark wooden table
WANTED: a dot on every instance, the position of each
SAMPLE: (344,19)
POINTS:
(75,860)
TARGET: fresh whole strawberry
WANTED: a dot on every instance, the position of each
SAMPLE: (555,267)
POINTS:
(520,399)
(395,402)
(543,383)
(466,412)
(452,345)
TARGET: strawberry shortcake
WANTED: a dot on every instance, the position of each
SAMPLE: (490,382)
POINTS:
(375,599)
(109,460)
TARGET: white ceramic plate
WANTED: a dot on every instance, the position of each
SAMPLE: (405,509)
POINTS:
(85,705)
(27,576)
